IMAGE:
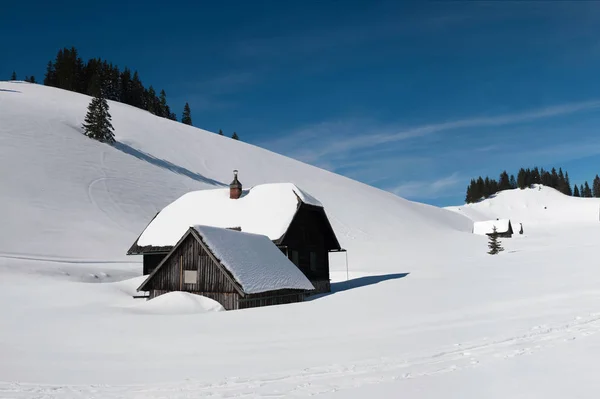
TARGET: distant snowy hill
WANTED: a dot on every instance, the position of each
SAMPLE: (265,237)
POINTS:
(536,206)
(77,198)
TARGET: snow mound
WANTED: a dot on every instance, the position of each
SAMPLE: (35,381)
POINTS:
(266,209)
(536,206)
(253,260)
(179,303)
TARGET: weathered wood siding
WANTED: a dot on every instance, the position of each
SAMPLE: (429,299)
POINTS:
(212,280)
(278,297)
(308,242)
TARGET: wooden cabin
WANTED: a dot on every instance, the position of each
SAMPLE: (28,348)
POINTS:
(292,219)
(503,228)
(238,270)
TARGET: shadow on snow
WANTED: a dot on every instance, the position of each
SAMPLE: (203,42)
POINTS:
(357,283)
(165,164)
(10,91)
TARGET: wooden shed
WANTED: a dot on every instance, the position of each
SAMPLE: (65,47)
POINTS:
(293,220)
(239,270)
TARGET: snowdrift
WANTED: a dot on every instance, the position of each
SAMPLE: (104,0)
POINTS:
(178,303)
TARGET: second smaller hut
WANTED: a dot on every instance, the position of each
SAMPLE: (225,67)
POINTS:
(239,270)
(503,228)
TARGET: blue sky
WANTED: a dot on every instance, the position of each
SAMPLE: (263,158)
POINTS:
(415,97)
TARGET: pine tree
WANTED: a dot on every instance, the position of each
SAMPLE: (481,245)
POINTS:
(186,117)
(220,132)
(596,187)
(576,191)
(469,195)
(494,243)
(581,191)
(50,77)
(13,76)
(554,182)
(568,191)
(521,179)
(164,110)
(235,136)
(513,182)
(97,123)
(587,191)
(535,176)
(504,182)
(150,96)
(562,183)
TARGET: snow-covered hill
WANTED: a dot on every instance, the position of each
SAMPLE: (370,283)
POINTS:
(426,312)
(77,198)
(539,206)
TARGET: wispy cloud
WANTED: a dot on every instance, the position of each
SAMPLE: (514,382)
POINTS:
(327,139)
(428,189)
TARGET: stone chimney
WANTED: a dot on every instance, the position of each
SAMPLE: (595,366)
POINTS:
(235,188)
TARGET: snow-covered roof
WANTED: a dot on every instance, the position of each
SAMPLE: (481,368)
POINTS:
(266,209)
(253,260)
(487,226)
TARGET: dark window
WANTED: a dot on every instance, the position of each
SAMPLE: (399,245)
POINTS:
(296,258)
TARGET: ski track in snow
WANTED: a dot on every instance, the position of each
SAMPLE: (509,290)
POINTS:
(327,379)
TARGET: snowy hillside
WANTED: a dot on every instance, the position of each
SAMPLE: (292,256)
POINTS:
(77,198)
(426,312)
(538,206)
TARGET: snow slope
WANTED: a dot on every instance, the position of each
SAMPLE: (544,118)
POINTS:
(539,206)
(61,188)
(426,312)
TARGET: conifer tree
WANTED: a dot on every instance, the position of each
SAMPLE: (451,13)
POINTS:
(576,191)
(513,182)
(50,77)
(235,136)
(554,182)
(150,96)
(587,191)
(469,196)
(521,179)
(596,187)
(568,191)
(97,123)
(494,243)
(220,132)
(504,182)
(581,191)
(186,117)
(13,76)
(164,108)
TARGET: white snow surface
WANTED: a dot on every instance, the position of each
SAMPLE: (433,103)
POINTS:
(266,209)
(177,302)
(487,226)
(253,260)
(460,324)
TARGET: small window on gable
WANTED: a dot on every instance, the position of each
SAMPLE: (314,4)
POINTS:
(190,276)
